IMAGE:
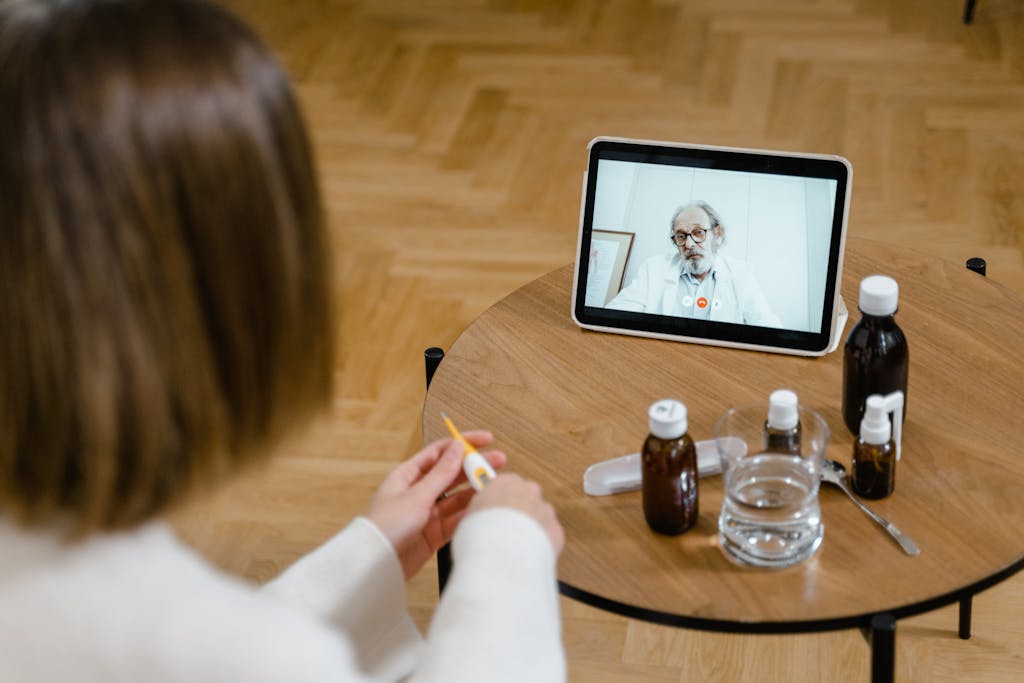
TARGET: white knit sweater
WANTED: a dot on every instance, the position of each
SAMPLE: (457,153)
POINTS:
(141,606)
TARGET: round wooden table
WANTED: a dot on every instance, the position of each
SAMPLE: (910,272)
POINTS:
(559,399)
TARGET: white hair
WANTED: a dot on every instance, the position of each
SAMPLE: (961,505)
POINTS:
(713,218)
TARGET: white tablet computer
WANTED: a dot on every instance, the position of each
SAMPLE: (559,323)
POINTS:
(712,245)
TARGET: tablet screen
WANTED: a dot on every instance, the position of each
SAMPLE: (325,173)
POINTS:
(715,245)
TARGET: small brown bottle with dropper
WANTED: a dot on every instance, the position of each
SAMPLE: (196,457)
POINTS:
(669,470)
(876,451)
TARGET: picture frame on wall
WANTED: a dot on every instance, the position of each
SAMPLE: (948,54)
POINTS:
(609,254)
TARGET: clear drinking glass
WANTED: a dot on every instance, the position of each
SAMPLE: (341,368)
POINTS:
(770,515)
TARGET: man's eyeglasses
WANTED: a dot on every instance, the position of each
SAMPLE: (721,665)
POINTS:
(698,236)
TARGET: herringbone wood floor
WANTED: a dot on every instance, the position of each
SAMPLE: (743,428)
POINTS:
(451,136)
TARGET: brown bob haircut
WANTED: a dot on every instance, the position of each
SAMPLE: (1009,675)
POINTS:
(163,258)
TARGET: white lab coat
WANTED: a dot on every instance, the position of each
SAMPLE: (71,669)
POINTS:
(655,289)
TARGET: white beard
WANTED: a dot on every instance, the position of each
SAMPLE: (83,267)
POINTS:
(699,266)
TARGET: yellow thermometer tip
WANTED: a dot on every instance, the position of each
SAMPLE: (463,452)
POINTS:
(457,435)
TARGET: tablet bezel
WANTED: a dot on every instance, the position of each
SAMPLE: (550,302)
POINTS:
(813,343)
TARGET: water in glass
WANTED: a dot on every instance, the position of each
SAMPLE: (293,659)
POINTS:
(770,516)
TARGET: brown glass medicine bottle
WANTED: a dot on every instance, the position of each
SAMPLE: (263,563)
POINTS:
(874,452)
(669,470)
(782,428)
(876,357)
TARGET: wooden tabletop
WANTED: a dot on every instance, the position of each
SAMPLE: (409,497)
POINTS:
(559,399)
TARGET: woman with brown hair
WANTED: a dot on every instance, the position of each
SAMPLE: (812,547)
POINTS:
(164,295)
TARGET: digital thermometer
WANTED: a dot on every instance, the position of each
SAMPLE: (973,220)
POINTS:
(477,469)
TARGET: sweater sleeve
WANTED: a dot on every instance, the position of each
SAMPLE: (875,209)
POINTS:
(354,583)
(498,619)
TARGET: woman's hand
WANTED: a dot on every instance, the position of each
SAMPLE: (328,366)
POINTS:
(512,491)
(408,507)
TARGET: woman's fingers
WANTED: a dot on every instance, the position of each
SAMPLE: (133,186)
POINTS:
(443,474)
(497,460)
(413,469)
(451,509)
(453,501)
(416,467)
(479,437)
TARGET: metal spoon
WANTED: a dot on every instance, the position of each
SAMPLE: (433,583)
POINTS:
(834,473)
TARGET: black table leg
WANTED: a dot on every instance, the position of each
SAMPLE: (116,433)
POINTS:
(969,11)
(883,648)
(432,357)
(965,617)
(444,566)
(977,264)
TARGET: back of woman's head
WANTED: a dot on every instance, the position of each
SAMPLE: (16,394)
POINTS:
(163,264)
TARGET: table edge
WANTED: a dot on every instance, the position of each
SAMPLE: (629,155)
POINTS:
(798,626)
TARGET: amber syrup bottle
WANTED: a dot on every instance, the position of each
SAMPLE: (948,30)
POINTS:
(782,428)
(876,357)
(874,452)
(669,470)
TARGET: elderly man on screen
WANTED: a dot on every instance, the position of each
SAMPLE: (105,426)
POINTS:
(694,280)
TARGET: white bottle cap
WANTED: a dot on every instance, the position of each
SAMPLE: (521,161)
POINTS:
(782,409)
(879,295)
(667,419)
(874,427)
